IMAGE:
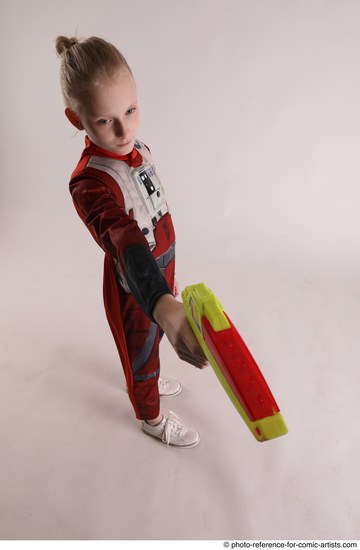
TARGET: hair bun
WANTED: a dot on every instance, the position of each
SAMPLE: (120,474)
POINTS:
(64,43)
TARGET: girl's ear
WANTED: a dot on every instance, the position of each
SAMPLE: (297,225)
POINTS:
(74,119)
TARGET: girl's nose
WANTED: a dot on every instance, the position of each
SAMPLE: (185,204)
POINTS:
(119,129)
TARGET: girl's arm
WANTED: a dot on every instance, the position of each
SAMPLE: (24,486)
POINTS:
(120,236)
(170,315)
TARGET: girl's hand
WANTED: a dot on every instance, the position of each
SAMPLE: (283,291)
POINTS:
(170,315)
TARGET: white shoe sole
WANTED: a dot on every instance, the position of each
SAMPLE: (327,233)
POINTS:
(171,394)
(172,444)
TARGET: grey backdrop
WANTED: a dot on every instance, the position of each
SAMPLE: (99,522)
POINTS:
(252,112)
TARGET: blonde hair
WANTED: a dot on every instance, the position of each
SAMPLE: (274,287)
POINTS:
(84,65)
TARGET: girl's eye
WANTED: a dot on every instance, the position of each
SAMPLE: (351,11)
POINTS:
(131,111)
(104,121)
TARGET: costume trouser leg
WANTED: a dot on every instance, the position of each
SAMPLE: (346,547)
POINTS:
(137,339)
(143,338)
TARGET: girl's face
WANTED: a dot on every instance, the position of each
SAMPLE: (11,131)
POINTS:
(111,118)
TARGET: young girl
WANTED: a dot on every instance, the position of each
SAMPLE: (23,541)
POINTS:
(118,195)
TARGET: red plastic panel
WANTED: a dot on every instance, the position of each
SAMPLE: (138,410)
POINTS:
(240,370)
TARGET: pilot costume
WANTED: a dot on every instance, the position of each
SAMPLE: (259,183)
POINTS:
(122,203)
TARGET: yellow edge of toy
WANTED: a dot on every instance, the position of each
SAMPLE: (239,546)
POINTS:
(269,427)
(206,304)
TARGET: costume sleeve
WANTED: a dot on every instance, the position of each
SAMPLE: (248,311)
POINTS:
(119,235)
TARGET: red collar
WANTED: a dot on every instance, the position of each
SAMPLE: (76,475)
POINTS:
(133,158)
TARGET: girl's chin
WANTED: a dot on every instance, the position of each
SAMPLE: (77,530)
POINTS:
(125,148)
(119,149)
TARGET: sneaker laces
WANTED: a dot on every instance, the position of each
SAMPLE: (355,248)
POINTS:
(172,425)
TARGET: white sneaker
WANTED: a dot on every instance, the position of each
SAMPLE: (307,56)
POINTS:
(169,387)
(172,432)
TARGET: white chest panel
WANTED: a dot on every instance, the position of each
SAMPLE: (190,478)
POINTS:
(141,188)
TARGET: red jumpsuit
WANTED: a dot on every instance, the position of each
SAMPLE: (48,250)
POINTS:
(122,203)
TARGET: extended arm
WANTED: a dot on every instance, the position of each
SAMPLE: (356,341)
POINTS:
(119,235)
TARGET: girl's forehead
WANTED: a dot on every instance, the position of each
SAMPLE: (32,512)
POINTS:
(120,80)
(119,90)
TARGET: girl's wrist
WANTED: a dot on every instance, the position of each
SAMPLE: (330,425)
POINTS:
(161,308)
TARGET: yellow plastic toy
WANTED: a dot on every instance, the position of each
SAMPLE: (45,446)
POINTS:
(233,363)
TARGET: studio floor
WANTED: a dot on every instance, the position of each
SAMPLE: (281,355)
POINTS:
(75,464)
(251,112)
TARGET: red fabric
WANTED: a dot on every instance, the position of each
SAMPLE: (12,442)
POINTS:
(132,159)
(129,326)
(100,204)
